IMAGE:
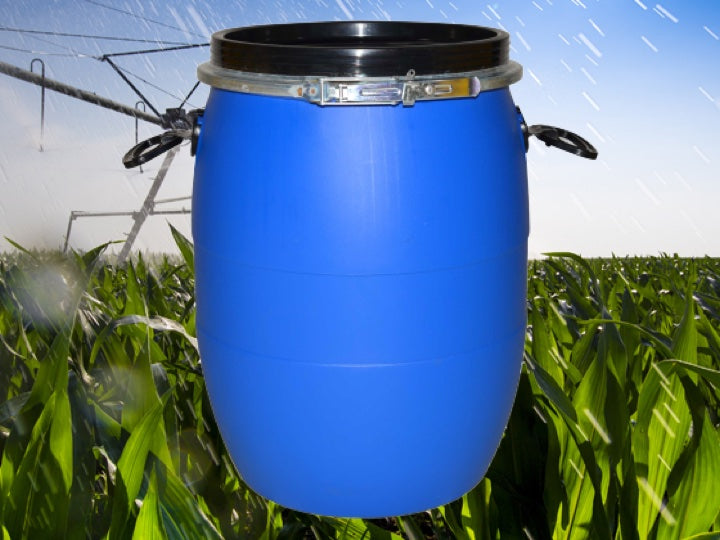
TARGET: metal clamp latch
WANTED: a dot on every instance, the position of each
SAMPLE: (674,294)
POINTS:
(349,92)
(340,92)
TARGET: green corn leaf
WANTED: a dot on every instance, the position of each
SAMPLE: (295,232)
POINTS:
(617,419)
(13,451)
(475,513)
(157,303)
(410,527)
(711,335)
(576,513)
(52,377)
(12,407)
(628,498)
(673,366)
(575,292)
(684,344)
(140,394)
(552,391)
(156,323)
(617,361)
(53,372)
(578,260)
(105,423)
(357,529)
(38,498)
(83,489)
(21,248)
(559,324)
(185,247)
(544,351)
(149,525)
(274,521)
(134,301)
(61,438)
(452,514)
(89,260)
(554,493)
(179,509)
(600,521)
(516,474)
(693,487)
(663,423)
(582,354)
(586,486)
(148,436)
(659,342)
(629,313)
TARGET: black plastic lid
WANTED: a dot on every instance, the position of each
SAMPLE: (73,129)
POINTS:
(359,48)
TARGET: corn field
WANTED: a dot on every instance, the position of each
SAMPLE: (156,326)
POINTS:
(106,429)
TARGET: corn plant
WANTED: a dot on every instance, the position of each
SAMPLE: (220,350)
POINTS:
(106,429)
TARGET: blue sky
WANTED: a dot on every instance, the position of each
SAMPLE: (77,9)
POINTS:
(640,79)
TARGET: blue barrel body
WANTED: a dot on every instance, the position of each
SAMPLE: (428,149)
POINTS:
(361,294)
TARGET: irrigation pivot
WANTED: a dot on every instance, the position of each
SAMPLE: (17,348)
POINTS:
(173,118)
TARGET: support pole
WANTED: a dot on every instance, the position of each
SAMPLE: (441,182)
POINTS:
(148,205)
(42,98)
(75,214)
(69,228)
(144,109)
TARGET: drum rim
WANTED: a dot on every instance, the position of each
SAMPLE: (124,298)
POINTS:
(359,48)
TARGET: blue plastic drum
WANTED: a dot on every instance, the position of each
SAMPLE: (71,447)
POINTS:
(360,219)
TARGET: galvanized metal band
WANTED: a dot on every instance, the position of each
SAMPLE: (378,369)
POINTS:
(323,91)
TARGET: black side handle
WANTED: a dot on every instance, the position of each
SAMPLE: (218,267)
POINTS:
(563,139)
(557,137)
(151,148)
(182,126)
